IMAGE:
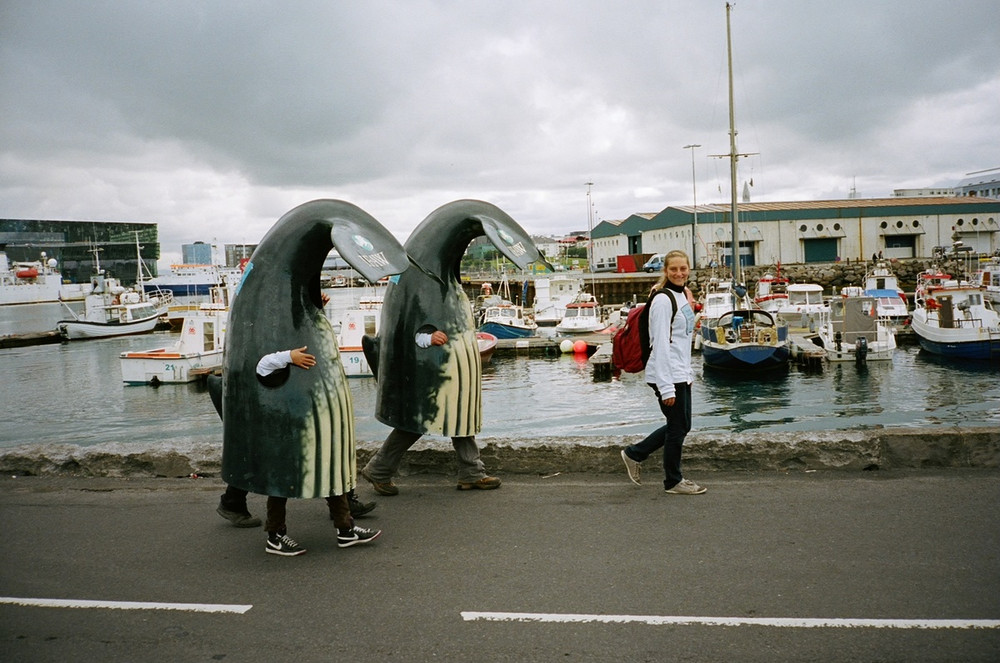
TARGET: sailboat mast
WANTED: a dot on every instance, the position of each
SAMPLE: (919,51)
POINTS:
(733,158)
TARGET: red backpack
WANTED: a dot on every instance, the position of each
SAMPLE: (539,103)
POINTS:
(630,344)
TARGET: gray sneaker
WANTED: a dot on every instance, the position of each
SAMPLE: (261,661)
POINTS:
(686,487)
(633,468)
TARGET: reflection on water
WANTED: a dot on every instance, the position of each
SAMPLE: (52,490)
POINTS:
(73,393)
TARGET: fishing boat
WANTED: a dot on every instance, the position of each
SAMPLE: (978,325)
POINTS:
(988,276)
(744,339)
(111,309)
(582,316)
(196,353)
(499,316)
(552,295)
(956,320)
(853,330)
(358,321)
(890,299)
(804,306)
(771,292)
(35,282)
(506,320)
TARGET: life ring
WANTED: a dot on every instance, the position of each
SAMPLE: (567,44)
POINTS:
(765,336)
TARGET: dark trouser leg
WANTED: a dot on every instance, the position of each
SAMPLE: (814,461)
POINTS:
(678,425)
(275,523)
(386,461)
(670,436)
(470,467)
(340,509)
(234,499)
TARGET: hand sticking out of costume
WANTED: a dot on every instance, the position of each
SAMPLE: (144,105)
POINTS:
(428,336)
(272,369)
(301,358)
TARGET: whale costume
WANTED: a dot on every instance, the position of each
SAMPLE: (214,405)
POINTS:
(436,389)
(294,435)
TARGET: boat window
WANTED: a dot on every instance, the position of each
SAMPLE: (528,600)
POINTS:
(208,335)
(370,325)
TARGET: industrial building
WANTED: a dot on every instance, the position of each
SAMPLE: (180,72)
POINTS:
(804,232)
(73,244)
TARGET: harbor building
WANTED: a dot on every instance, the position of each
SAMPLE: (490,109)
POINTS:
(805,231)
(72,245)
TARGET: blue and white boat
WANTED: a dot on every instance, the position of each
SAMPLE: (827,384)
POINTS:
(506,320)
(890,299)
(192,280)
(956,320)
(746,340)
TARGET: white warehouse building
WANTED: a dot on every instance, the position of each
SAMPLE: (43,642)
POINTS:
(803,232)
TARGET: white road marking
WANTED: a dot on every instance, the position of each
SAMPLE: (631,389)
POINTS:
(780,622)
(125,605)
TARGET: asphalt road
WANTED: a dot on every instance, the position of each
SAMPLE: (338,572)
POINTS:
(766,550)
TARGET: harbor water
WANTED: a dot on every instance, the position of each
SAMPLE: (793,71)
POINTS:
(73,393)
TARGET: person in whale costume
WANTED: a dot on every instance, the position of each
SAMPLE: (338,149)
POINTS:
(288,420)
(426,358)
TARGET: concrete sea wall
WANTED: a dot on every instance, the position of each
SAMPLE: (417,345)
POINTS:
(846,450)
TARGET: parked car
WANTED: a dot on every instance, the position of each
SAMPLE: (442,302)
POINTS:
(654,264)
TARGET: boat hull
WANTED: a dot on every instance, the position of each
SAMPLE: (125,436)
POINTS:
(164,366)
(75,330)
(505,331)
(981,346)
(745,357)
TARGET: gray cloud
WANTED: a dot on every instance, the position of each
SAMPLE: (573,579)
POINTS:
(214,118)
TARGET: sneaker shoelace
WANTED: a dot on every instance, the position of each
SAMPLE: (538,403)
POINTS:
(288,541)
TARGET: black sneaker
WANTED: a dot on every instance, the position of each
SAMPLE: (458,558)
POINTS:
(358,508)
(282,544)
(357,535)
(238,518)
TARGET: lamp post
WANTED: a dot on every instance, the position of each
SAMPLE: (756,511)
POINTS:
(694,191)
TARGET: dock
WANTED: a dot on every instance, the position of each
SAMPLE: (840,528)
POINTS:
(25,340)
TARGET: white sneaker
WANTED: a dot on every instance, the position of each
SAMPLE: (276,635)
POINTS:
(633,468)
(686,487)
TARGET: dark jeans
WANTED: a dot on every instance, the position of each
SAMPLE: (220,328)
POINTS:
(670,436)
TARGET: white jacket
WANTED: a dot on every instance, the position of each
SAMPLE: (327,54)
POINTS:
(669,361)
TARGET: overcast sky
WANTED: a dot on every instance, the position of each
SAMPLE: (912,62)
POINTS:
(213,119)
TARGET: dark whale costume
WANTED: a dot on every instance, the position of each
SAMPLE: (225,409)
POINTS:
(294,436)
(435,387)
(438,389)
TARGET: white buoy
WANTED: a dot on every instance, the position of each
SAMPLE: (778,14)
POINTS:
(566,346)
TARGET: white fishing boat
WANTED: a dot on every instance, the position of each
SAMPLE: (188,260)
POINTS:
(552,295)
(358,321)
(956,320)
(771,292)
(890,299)
(988,276)
(111,309)
(583,316)
(854,331)
(804,306)
(35,282)
(196,353)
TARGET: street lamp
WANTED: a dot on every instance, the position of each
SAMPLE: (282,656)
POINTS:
(694,227)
